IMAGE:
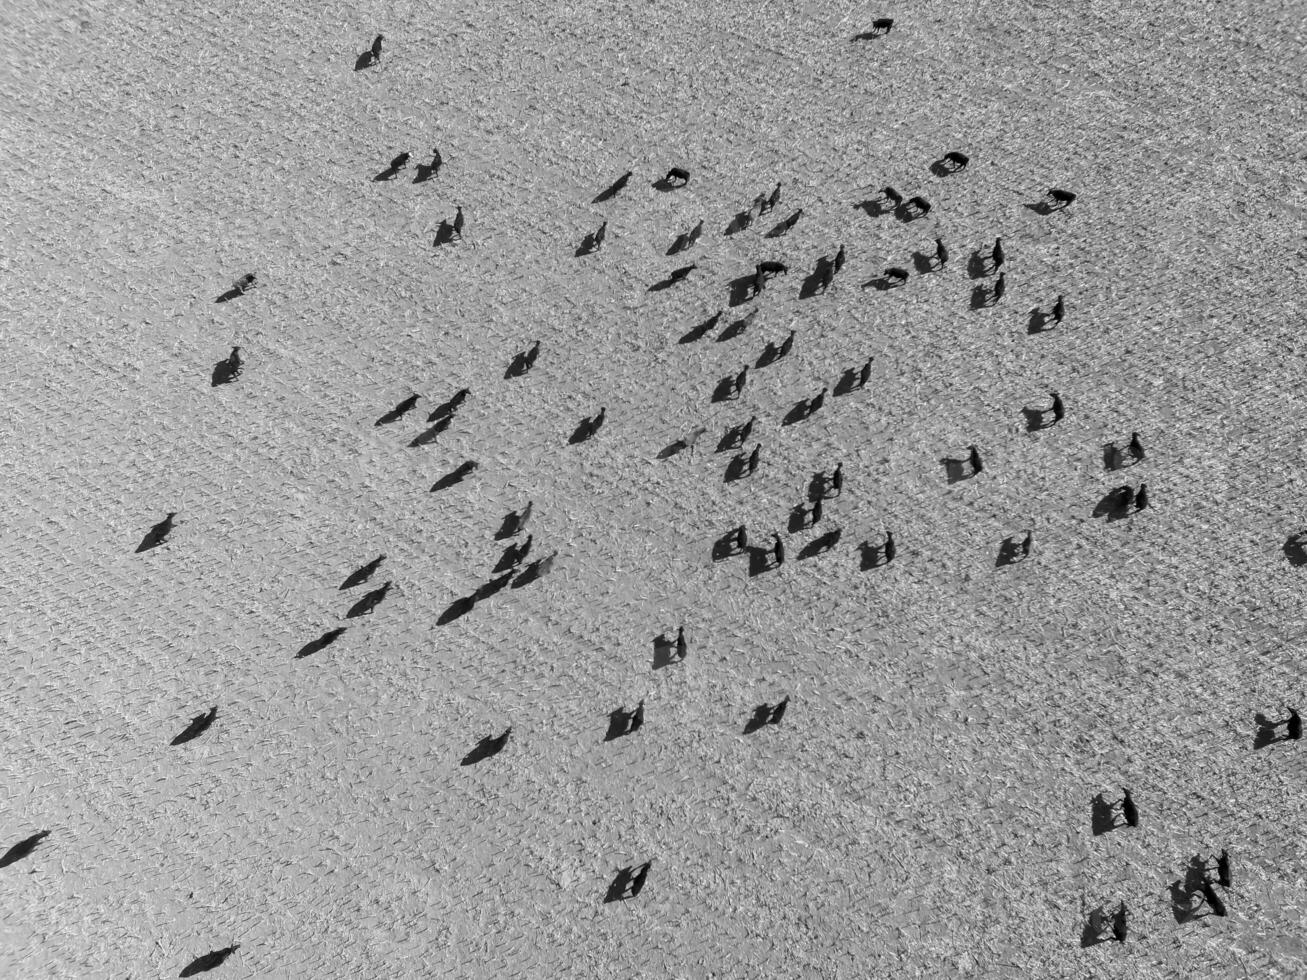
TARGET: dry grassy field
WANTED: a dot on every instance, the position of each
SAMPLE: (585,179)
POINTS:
(924,807)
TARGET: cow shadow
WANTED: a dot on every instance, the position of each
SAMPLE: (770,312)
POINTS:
(799,412)
(672,449)
(224,372)
(444,233)
(1112,505)
(521,363)
(760,718)
(493,587)
(821,545)
(1182,902)
(725,390)
(778,230)
(663,184)
(923,263)
(430,435)
(488,747)
(741,221)
(740,290)
(1038,321)
(197,727)
(612,190)
(737,469)
(848,383)
(627,883)
(760,561)
(457,609)
(1095,929)
(819,488)
(1036,419)
(981,297)
(425,171)
(943,167)
(871,556)
(874,207)
(1295,551)
(1009,551)
(390,173)
(587,245)
(584,430)
(363,61)
(700,330)
(800,518)
(321,643)
(812,283)
(1102,816)
(396,413)
(1267,732)
(977,265)
(454,476)
(956,470)
(229,295)
(883,283)
(664,651)
(1042,208)
(619,724)
(724,547)
(735,328)
(209,961)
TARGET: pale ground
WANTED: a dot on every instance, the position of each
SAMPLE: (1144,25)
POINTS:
(924,808)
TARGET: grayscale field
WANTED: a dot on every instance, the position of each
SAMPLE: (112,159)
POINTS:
(924,807)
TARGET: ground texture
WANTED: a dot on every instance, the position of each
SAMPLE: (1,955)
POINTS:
(924,808)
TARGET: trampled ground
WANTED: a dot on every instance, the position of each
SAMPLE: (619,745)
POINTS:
(924,808)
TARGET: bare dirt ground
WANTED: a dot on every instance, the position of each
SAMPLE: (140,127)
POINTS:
(924,808)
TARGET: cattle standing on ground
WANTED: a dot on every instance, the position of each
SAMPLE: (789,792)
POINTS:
(376,48)
(891,195)
(890,549)
(997,255)
(817,401)
(1128,809)
(864,374)
(882,25)
(941,254)
(778,549)
(234,363)
(1141,498)
(973,457)
(773,200)
(1059,410)
(919,205)
(637,718)
(695,232)
(741,380)
(753,458)
(399,163)
(1059,310)
(677,177)
(1223,868)
(787,345)
(839,259)
(837,479)
(1127,497)
(747,429)
(458,223)
(958,159)
(1136,448)
(1293,727)
(1000,287)
(897,274)
(771,268)
(682,647)
(600,235)
(437,161)
(815,513)
(1060,197)
(243,284)
(740,539)
(1120,925)
(1027,543)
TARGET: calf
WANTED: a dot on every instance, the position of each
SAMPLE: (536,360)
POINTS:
(1060,197)
(941,253)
